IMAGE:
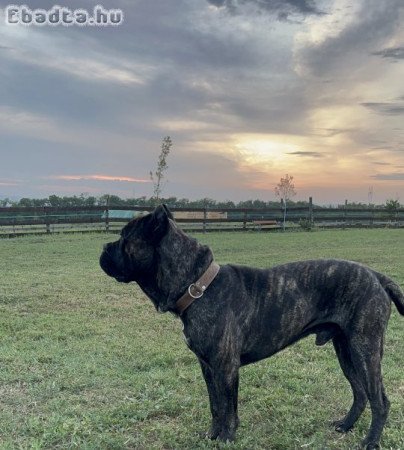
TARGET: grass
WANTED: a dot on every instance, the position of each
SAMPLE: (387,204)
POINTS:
(87,363)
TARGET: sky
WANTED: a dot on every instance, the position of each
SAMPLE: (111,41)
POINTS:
(248,90)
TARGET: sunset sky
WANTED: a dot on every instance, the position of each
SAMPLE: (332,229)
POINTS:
(248,90)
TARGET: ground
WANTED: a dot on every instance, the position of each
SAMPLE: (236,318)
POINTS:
(87,363)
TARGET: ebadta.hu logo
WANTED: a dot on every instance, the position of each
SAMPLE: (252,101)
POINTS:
(61,15)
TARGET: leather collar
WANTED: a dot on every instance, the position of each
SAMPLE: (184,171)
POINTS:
(197,289)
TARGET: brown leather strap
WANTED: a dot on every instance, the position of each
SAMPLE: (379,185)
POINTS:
(197,289)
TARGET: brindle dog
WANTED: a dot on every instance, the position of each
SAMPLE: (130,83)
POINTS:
(248,314)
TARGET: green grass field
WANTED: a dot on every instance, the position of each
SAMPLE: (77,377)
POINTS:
(88,363)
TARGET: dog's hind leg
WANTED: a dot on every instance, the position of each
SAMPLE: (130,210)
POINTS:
(366,352)
(359,393)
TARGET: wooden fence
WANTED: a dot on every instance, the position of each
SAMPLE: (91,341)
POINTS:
(45,220)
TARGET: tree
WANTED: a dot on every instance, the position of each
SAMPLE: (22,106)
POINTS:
(285,189)
(158,175)
(113,200)
(392,206)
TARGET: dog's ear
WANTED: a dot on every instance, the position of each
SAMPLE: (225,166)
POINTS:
(159,222)
(168,212)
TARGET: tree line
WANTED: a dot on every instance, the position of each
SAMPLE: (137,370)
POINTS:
(174,202)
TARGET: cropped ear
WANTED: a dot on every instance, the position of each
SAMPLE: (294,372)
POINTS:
(168,212)
(159,222)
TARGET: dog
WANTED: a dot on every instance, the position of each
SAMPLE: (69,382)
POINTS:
(235,315)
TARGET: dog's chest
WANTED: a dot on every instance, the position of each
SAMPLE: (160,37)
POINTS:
(191,343)
(186,339)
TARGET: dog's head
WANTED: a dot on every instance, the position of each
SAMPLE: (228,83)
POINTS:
(158,255)
(133,254)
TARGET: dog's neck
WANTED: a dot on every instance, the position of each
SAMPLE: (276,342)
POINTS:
(180,261)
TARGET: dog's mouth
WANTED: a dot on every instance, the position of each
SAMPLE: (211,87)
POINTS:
(109,266)
(122,279)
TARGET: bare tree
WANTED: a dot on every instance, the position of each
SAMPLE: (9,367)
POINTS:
(285,189)
(158,175)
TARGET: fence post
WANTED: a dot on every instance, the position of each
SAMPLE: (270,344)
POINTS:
(345,214)
(372,216)
(107,216)
(205,216)
(311,217)
(245,220)
(47,223)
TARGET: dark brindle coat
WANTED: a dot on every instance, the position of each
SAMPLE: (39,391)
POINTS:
(249,314)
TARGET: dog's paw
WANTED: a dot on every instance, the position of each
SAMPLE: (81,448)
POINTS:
(223,432)
(212,434)
(220,435)
(341,426)
(226,436)
(370,445)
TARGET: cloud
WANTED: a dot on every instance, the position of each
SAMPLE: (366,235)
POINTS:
(398,176)
(331,132)
(392,108)
(394,53)
(213,75)
(4,183)
(282,8)
(99,178)
(94,68)
(340,42)
(307,154)
(51,128)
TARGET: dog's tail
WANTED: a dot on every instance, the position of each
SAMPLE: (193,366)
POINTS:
(393,291)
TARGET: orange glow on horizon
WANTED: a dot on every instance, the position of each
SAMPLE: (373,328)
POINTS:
(100,178)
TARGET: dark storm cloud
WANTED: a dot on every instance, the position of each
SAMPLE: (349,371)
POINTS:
(394,53)
(280,7)
(390,109)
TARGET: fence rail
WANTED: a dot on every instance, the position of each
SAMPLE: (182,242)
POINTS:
(20,220)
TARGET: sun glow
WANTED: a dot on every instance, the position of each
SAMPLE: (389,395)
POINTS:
(265,149)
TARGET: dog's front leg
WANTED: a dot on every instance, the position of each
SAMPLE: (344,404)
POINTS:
(222,383)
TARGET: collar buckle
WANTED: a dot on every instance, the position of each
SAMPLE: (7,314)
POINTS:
(195,290)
